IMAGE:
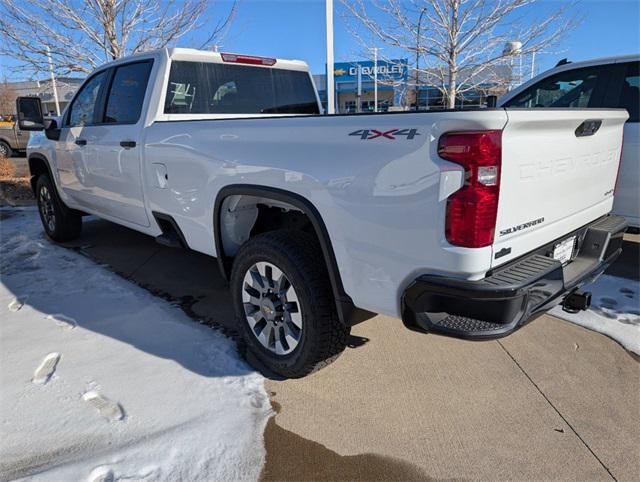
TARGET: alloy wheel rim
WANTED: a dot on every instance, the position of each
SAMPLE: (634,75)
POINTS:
(46,208)
(271,308)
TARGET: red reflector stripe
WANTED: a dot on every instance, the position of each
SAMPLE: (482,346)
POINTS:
(247,59)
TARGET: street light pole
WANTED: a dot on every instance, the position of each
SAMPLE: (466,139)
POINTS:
(330,81)
(533,64)
(418,56)
(53,82)
(375,79)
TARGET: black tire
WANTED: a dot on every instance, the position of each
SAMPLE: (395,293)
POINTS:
(323,337)
(5,150)
(59,222)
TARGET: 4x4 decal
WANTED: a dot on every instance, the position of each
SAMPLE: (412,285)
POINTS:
(368,134)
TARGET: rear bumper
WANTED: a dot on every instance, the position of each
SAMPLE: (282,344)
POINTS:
(504,301)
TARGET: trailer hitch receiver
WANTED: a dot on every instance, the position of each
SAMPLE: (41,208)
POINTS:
(577,301)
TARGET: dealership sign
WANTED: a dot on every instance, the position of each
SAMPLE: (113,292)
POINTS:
(388,70)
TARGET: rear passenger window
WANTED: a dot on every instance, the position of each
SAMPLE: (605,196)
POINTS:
(573,88)
(630,92)
(208,88)
(126,93)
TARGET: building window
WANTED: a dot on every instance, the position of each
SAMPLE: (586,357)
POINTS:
(350,106)
(368,105)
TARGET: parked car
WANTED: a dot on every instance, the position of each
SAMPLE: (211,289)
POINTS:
(600,83)
(12,139)
(464,223)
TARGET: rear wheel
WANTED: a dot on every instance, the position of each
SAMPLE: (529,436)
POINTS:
(284,304)
(59,222)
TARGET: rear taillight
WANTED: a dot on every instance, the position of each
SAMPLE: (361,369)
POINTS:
(472,210)
(247,59)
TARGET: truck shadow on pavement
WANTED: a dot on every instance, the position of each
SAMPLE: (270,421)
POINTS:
(628,264)
(294,458)
(182,277)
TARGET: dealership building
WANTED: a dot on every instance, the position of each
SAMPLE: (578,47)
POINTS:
(354,87)
(65,88)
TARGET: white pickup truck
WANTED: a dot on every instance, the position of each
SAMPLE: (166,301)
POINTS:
(463,223)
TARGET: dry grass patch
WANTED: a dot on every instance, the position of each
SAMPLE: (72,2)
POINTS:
(13,188)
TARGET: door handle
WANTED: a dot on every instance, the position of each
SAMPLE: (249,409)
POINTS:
(128,144)
(588,127)
(81,142)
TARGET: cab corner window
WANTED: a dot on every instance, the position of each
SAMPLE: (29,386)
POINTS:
(126,94)
(85,106)
(573,88)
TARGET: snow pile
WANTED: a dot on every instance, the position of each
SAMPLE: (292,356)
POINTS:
(102,381)
(615,310)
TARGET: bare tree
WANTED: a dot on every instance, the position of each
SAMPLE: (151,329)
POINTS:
(82,34)
(458,45)
(7,98)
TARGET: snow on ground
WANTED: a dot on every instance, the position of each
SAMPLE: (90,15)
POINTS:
(615,310)
(100,380)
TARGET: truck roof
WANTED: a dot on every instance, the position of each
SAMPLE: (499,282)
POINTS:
(614,59)
(196,55)
(216,57)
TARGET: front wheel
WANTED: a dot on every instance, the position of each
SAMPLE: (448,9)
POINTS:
(5,150)
(59,222)
(284,304)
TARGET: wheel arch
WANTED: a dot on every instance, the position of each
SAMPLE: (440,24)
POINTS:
(347,312)
(38,165)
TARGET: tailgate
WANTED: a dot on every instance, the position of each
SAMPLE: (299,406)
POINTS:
(559,171)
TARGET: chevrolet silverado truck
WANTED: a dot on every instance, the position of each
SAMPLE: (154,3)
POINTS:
(462,223)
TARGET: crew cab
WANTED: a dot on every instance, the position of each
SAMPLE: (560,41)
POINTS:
(463,223)
(604,82)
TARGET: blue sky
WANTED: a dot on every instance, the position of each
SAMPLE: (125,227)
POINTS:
(295,29)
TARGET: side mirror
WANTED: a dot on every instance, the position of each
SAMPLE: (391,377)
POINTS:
(51,129)
(30,116)
(492,101)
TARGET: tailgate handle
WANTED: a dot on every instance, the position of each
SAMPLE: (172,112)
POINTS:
(588,127)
